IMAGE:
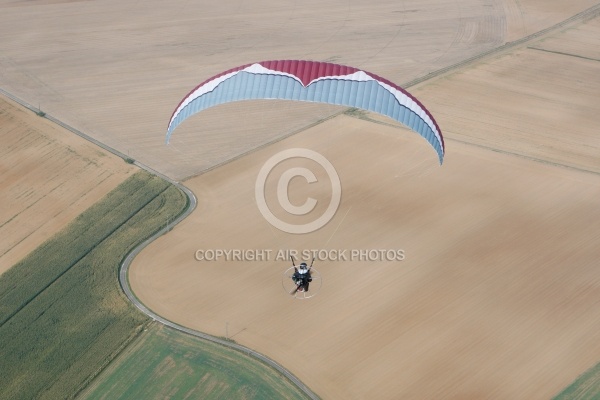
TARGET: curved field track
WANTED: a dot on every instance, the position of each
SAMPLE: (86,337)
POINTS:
(48,176)
(497,297)
(498,294)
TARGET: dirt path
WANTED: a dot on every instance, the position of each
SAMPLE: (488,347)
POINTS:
(497,295)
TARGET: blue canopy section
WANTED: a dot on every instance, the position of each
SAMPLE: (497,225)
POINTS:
(366,95)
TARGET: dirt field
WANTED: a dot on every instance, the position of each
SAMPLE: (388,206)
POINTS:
(115,70)
(496,297)
(539,101)
(48,176)
(498,294)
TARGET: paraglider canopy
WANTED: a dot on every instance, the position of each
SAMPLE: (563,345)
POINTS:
(313,82)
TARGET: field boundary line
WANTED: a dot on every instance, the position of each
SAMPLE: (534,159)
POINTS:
(192,201)
(125,264)
(64,125)
(124,281)
(489,148)
(563,53)
(584,15)
(76,261)
(112,357)
(266,144)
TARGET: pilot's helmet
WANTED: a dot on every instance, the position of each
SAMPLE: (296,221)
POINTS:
(303,269)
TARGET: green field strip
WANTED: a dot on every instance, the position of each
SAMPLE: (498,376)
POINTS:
(49,262)
(168,364)
(586,387)
(64,315)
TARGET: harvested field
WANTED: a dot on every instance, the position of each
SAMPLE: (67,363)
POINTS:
(520,112)
(48,176)
(116,72)
(63,316)
(497,296)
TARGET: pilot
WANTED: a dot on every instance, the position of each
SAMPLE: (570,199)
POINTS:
(303,269)
(302,276)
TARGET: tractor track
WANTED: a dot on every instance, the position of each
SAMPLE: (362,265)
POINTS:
(126,263)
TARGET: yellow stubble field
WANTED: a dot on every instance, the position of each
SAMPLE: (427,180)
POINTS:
(48,176)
